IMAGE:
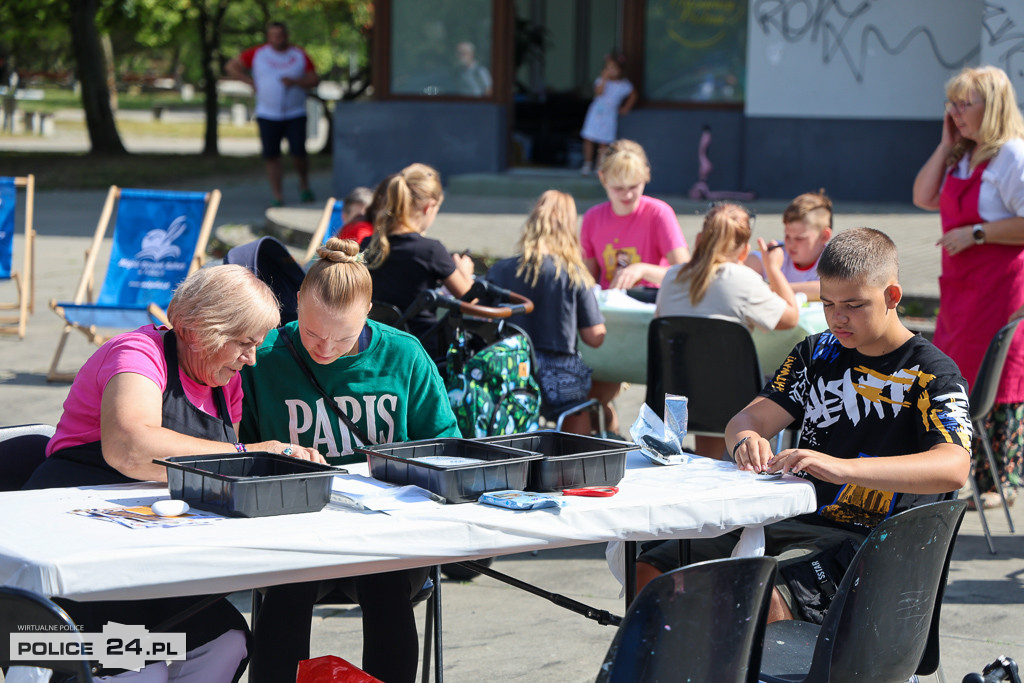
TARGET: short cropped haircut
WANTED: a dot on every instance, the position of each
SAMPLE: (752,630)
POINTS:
(805,204)
(862,255)
(217,304)
(359,195)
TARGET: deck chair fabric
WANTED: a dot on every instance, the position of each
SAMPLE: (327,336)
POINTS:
(330,221)
(24,280)
(159,238)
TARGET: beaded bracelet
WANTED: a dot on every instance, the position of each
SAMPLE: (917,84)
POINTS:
(240,447)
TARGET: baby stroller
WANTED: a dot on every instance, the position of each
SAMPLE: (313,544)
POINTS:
(273,263)
(487,363)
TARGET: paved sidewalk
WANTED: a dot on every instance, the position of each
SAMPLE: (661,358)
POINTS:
(491,631)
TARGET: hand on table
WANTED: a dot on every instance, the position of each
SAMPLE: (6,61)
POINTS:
(289,449)
(957,240)
(752,453)
(815,463)
(628,277)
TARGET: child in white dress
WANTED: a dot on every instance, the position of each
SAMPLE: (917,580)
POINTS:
(613,95)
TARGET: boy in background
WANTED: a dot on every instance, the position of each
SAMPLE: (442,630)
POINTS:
(808,221)
(884,427)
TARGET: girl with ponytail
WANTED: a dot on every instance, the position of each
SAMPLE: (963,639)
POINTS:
(717,284)
(401,260)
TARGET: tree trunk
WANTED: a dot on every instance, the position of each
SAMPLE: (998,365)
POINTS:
(209,24)
(108,58)
(92,74)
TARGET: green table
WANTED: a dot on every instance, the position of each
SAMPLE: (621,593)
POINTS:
(623,355)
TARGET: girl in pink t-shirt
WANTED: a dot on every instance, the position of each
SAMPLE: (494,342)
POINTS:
(630,239)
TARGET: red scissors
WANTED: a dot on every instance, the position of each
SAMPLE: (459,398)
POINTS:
(592,491)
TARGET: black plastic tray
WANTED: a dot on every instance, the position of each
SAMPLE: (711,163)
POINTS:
(570,460)
(399,463)
(256,484)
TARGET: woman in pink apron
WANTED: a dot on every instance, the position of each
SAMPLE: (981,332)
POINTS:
(975,178)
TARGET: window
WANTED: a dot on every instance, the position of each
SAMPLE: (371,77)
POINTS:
(695,50)
(441,47)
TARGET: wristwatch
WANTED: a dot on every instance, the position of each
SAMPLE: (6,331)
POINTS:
(979,233)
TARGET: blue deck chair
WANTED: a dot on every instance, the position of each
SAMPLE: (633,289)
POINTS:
(159,238)
(330,221)
(24,280)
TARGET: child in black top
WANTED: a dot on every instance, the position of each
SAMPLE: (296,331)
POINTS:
(885,424)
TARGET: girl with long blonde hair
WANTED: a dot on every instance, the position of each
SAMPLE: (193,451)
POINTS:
(549,271)
(717,284)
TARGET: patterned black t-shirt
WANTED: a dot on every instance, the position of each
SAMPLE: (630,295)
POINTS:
(850,405)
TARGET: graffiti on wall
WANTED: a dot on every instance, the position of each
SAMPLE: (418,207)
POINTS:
(874,59)
(1002,40)
(846,33)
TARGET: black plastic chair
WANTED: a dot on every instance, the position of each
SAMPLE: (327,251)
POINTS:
(711,362)
(387,314)
(883,624)
(704,622)
(22,449)
(983,397)
(19,607)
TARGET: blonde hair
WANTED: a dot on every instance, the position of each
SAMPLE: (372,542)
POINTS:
(339,278)
(551,230)
(726,229)
(625,163)
(1000,123)
(805,204)
(406,192)
(215,305)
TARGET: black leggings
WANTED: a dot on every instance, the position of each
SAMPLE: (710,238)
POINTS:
(390,643)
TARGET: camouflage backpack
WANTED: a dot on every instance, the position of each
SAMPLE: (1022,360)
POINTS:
(493,391)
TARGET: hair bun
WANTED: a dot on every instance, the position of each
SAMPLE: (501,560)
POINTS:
(340,251)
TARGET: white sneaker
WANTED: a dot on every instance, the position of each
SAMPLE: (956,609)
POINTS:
(586,169)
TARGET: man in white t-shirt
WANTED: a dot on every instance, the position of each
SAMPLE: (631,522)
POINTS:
(280,73)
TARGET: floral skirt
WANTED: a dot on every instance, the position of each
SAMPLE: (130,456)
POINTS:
(1005,427)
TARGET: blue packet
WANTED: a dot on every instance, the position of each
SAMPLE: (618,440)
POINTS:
(521,500)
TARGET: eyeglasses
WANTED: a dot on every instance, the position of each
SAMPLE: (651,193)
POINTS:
(960,107)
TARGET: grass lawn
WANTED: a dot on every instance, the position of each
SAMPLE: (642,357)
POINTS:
(84,171)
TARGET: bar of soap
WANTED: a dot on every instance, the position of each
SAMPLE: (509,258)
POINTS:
(169,508)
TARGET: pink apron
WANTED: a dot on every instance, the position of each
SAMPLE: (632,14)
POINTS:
(978,290)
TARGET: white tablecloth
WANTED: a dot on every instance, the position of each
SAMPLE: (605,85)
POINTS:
(46,549)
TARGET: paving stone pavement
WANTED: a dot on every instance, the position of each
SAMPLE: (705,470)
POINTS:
(492,631)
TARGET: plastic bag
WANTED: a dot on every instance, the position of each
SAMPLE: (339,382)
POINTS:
(331,669)
(662,441)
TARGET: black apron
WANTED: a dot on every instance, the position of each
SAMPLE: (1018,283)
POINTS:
(83,465)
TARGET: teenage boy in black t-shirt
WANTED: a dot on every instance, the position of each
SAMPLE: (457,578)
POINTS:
(884,420)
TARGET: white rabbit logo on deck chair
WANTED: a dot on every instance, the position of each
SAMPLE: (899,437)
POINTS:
(159,244)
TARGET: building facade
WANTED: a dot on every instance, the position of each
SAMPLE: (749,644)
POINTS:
(799,94)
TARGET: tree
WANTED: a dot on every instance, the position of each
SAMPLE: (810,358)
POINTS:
(92,74)
(209,20)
